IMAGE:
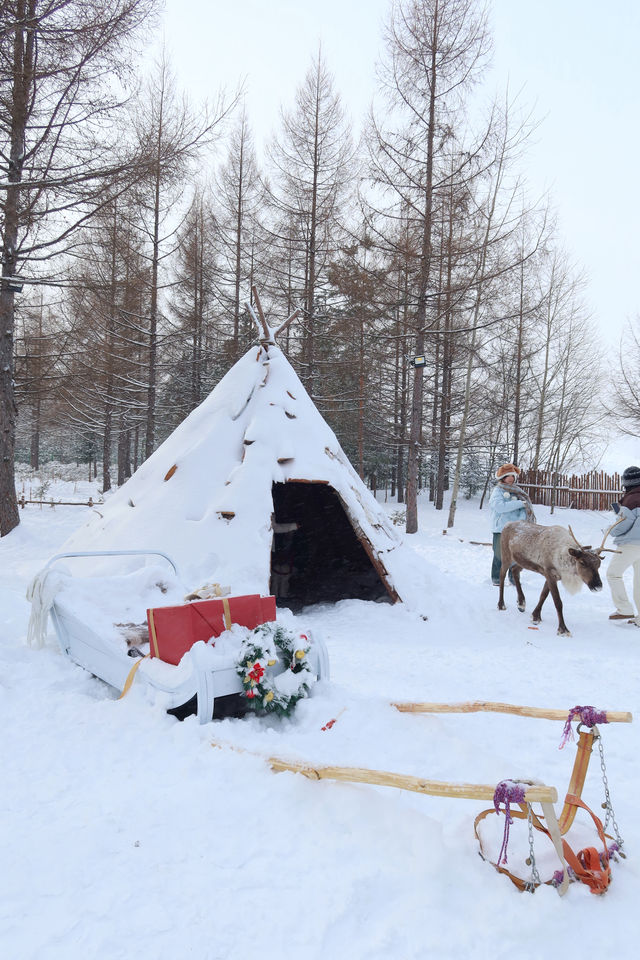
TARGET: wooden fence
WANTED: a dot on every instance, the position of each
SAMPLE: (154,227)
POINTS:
(58,503)
(588,491)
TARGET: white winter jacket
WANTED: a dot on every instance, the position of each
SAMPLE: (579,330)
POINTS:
(505,506)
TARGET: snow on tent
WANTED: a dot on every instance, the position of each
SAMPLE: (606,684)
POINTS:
(253,491)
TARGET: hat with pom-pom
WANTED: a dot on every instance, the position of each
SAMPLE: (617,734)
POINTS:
(507,470)
(631,477)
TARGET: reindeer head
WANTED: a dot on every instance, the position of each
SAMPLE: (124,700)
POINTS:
(587,560)
(587,564)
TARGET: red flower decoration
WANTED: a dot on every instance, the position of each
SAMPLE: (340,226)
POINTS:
(256,673)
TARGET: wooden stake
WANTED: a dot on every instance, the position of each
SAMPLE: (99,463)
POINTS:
(488,706)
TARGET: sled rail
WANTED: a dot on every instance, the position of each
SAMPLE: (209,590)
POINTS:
(113,553)
(489,706)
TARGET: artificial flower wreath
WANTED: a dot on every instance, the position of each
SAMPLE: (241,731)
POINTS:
(265,691)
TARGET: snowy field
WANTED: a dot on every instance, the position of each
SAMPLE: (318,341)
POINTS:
(124,834)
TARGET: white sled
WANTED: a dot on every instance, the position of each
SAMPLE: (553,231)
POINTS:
(203,677)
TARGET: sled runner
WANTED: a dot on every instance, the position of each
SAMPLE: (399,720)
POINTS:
(89,626)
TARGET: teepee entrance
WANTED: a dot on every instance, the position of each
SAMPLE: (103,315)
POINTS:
(316,555)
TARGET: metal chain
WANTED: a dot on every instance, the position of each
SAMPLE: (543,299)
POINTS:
(534,880)
(608,806)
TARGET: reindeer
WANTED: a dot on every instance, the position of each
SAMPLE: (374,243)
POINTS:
(554,553)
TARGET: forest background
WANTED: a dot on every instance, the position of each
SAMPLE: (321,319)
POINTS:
(136,223)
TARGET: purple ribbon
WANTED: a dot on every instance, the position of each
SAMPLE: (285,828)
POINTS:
(587,715)
(507,792)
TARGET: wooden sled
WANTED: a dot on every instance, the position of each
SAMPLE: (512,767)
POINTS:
(197,686)
(585,866)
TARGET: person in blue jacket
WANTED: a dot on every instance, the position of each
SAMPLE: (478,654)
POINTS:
(626,539)
(505,506)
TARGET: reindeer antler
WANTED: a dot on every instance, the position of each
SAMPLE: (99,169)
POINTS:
(602,548)
(576,539)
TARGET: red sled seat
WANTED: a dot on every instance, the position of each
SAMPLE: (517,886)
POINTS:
(174,630)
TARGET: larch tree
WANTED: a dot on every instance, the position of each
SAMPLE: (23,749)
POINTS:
(170,135)
(435,52)
(311,162)
(625,408)
(237,201)
(63,66)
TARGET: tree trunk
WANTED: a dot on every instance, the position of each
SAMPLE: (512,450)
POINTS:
(415,433)
(153,311)
(17,101)
(517,385)
(34,449)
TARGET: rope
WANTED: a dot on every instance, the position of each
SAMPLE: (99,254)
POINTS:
(507,792)
(589,716)
(41,592)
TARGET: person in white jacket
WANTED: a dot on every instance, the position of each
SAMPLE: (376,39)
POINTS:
(626,539)
(505,506)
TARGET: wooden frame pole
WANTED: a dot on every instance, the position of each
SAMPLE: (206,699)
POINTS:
(489,706)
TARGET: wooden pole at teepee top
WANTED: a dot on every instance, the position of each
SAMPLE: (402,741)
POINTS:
(260,321)
(254,291)
(283,326)
(488,706)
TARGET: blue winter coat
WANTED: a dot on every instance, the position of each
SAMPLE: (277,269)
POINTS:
(505,506)
(628,531)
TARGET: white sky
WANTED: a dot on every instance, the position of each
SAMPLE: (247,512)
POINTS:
(575,61)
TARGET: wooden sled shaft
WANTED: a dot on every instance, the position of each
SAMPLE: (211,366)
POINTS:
(578,777)
(489,706)
(538,793)
(534,793)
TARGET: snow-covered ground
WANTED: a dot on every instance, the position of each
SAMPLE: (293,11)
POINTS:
(124,834)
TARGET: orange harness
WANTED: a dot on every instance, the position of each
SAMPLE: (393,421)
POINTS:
(587,865)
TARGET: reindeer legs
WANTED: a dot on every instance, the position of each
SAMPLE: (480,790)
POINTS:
(563,630)
(551,587)
(503,573)
(536,616)
(515,570)
(509,563)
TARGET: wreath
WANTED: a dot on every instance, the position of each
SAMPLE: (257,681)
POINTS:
(266,691)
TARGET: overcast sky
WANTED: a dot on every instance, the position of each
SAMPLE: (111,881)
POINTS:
(574,61)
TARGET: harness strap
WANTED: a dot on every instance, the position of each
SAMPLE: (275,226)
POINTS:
(131,675)
(589,866)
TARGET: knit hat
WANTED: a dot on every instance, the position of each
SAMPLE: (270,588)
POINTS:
(631,477)
(510,470)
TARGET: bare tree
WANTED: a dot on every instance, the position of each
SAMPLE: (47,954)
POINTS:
(626,389)
(436,50)
(61,67)
(170,135)
(238,198)
(310,164)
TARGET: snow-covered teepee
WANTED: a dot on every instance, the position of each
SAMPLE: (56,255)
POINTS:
(254,492)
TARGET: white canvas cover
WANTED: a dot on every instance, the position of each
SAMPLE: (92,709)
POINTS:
(205,495)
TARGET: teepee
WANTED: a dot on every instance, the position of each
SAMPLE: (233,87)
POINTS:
(253,491)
